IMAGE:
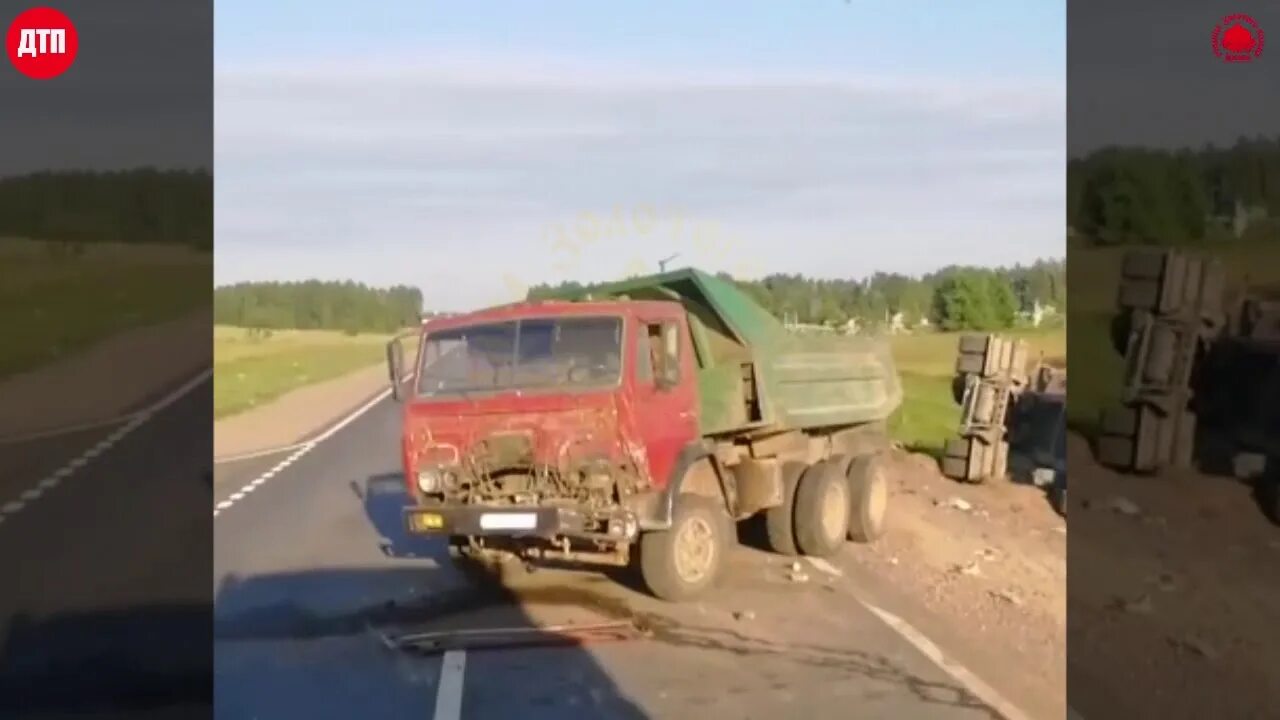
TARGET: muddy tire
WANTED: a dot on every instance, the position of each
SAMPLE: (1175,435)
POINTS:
(955,459)
(687,560)
(975,344)
(868,479)
(779,522)
(971,364)
(1139,265)
(1139,295)
(821,510)
(1116,452)
(1121,421)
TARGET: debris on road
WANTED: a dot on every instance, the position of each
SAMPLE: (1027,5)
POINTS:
(1138,606)
(960,504)
(1197,647)
(744,615)
(1008,596)
(498,638)
(1125,506)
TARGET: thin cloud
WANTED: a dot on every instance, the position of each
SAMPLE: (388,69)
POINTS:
(390,171)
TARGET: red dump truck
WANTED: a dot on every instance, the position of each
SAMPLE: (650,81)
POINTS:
(638,425)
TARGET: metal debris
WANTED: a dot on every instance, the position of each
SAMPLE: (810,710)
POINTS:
(1198,647)
(1125,506)
(493,638)
(1138,606)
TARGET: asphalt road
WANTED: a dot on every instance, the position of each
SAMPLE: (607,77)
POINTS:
(309,559)
(104,553)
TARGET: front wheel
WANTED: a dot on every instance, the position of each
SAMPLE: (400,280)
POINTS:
(687,560)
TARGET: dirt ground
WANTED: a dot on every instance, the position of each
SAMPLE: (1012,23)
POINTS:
(990,559)
(1175,588)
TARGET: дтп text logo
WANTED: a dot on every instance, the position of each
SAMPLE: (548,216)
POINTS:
(42,43)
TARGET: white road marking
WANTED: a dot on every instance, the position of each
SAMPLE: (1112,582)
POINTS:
(301,450)
(136,420)
(449,690)
(825,566)
(67,430)
(976,685)
(257,454)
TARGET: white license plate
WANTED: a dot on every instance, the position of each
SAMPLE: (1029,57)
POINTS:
(509,521)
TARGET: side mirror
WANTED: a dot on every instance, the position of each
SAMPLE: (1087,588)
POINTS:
(395,367)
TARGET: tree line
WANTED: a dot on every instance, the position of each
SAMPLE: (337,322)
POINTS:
(131,206)
(317,305)
(1139,195)
(953,298)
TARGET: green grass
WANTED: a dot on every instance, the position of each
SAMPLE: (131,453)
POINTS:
(54,303)
(1093,275)
(929,415)
(250,370)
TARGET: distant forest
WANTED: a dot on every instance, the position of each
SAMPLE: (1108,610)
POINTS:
(953,298)
(131,206)
(1171,197)
(317,305)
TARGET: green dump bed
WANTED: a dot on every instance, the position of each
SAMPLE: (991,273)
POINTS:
(754,374)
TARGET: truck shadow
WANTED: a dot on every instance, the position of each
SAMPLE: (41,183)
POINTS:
(286,647)
(384,498)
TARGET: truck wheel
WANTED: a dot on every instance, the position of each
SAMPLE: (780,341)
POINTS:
(822,510)
(958,385)
(1139,295)
(779,521)
(1116,452)
(868,479)
(955,459)
(1142,265)
(681,563)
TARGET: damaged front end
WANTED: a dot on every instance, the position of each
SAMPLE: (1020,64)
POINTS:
(556,488)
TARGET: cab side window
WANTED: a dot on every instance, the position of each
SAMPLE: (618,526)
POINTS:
(658,361)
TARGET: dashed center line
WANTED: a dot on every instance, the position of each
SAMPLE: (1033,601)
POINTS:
(303,449)
(53,480)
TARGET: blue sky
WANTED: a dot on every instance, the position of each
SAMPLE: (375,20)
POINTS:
(471,149)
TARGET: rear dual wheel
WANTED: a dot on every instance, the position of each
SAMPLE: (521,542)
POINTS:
(828,502)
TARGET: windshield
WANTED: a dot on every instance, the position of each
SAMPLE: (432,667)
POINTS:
(568,352)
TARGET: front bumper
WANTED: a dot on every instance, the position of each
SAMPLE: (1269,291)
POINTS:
(516,521)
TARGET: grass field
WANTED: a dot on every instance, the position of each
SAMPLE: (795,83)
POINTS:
(1093,275)
(54,301)
(929,415)
(250,370)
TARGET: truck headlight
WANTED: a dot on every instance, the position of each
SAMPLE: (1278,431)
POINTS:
(430,481)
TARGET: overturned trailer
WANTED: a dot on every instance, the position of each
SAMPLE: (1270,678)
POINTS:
(1198,356)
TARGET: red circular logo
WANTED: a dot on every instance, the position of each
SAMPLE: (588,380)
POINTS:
(1237,38)
(42,43)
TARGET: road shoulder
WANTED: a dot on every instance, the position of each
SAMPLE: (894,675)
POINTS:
(295,416)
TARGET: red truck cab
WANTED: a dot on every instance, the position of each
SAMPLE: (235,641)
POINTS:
(549,429)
